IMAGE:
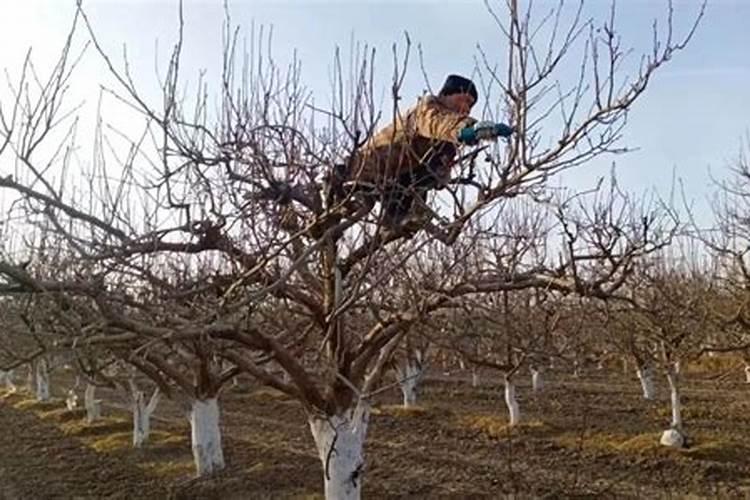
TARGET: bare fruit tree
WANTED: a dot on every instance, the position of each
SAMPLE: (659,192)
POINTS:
(727,243)
(217,241)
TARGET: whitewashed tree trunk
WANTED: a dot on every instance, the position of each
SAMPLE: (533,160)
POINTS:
(747,373)
(93,406)
(31,377)
(474,377)
(42,380)
(409,375)
(514,411)
(674,436)
(537,382)
(646,376)
(6,378)
(142,412)
(340,442)
(674,393)
(206,436)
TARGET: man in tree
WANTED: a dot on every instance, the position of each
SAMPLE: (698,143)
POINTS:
(415,154)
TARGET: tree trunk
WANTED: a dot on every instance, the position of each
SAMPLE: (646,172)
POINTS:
(514,411)
(409,376)
(674,436)
(206,436)
(142,412)
(747,373)
(31,377)
(674,393)
(93,406)
(340,441)
(474,377)
(6,378)
(42,380)
(537,383)
(646,376)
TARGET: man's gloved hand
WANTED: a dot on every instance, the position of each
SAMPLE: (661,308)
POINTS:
(483,131)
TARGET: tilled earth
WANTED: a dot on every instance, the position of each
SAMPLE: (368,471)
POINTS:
(593,437)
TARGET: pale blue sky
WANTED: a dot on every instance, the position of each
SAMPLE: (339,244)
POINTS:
(692,117)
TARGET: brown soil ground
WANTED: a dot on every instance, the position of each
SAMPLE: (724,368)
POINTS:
(593,437)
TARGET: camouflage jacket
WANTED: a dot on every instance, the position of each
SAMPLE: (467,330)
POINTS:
(425,136)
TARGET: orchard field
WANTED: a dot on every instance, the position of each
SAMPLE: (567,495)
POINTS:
(588,437)
(224,277)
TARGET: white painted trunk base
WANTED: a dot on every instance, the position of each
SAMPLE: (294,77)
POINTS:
(409,376)
(340,441)
(93,406)
(42,381)
(6,378)
(514,411)
(674,436)
(537,382)
(31,377)
(206,437)
(747,373)
(475,377)
(674,397)
(646,376)
(142,412)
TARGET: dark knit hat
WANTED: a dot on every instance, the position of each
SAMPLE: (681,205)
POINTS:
(456,84)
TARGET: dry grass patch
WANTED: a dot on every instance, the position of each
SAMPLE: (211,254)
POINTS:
(717,449)
(641,443)
(117,441)
(38,407)
(61,415)
(401,411)
(102,426)
(690,412)
(269,394)
(701,447)
(8,395)
(647,443)
(496,427)
(111,442)
(171,469)
(715,365)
